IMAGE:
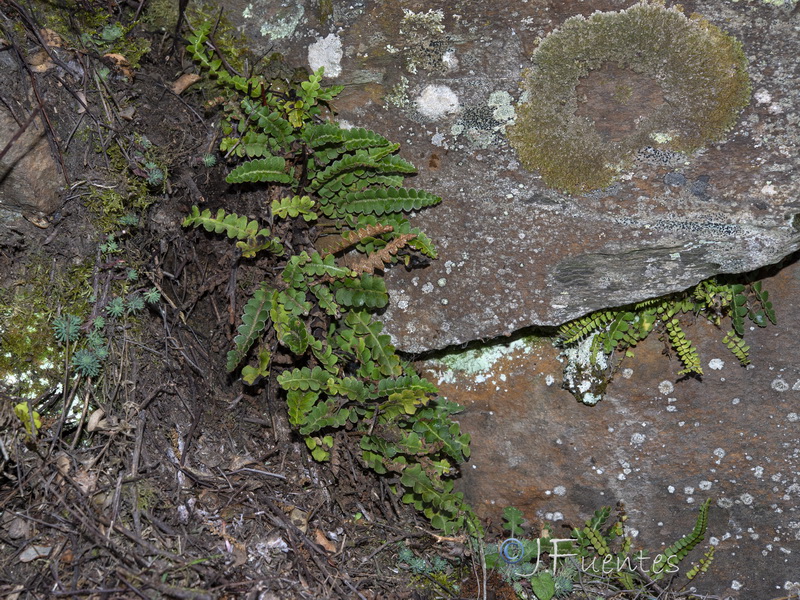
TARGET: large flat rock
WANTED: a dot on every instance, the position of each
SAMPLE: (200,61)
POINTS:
(657,442)
(442,78)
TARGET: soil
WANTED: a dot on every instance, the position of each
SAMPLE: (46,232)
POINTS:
(191,485)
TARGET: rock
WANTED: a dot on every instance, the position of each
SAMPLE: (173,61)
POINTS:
(444,81)
(660,444)
(30,182)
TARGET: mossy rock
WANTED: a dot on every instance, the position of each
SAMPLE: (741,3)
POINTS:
(652,75)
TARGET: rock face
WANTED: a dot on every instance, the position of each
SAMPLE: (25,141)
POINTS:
(444,80)
(659,444)
(29,178)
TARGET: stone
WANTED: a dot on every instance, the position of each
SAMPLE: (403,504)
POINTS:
(515,253)
(30,182)
(657,442)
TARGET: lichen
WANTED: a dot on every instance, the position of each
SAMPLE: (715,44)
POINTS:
(698,86)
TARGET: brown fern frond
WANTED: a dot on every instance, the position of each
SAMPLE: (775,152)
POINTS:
(351,238)
(378,259)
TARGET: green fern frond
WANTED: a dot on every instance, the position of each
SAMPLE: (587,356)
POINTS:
(379,201)
(739,309)
(293,207)
(381,350)
(231,224)
(767,310)
(737,347)
(702,565)
(304,379)
(364,291)
(254,320)
(675,553)
(583,327)
(361,160)
(300,404)
(684,348)
(261,170)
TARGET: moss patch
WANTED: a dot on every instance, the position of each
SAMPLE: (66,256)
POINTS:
(691,77)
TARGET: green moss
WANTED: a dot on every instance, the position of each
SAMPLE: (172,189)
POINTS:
(698,72)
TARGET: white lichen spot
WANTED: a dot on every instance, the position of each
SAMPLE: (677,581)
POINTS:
(762,96)
(637,439)
(779,384)
(549,380)
(671,489)
(716,364)
(769,190)
(736,585)
(746,499)
(627,373)
(450,60)
(437,101)
(666,387)
(326,53)
(441,282)
(559,490)
(427,288)
(792,417)
(704,485)
(725,503)
(719,453)
(284,23)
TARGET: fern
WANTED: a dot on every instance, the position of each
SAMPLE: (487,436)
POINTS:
(294,207)
(231,224)
(379,201)
(254,320)
(675,553)
(347,373)
(365,291)
(261,170)
(686,351)
(622,328)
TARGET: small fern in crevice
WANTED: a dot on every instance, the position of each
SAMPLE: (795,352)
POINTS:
(603,332)
(595,558)
(346,376)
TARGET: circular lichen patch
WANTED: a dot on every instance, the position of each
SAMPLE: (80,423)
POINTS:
(609,84)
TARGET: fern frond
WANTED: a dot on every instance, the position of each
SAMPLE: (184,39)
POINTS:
(702,565)
(304,379)
(377,260)
(361,160)
(617,333)
(290,330)
(270,122)
(258,243)
(261,170)
(762,296)
(583,327)
(231,224)
(351,238)
(300,404)
(675,553)
(737,347)
(738,308)
(683,347)
(365,291)
(294,207)
(379,345)
(254,319)
(317,135)
(379,201)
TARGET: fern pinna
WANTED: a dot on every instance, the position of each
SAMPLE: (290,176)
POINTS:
(348,376)
(714,299)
